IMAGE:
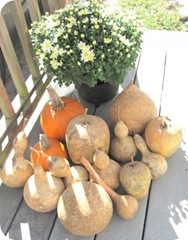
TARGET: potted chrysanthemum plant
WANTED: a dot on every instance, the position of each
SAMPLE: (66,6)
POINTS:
(87,44)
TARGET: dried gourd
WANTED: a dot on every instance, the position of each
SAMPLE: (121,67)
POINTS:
(126,205)
(156,162)
(122,146)
(77,174)
(163,136)
(42,190)
(58,166)
(50,147)
(135,108)
(110,175)
(84,208)
(135,177)
(15,171)
(84,133)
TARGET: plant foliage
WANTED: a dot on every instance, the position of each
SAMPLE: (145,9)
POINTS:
(87,43)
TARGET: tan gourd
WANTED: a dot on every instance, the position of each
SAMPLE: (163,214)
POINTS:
(15,171)
(42,190)
(122,146)
(135,177)
(156,162)
(83,133)
(163,136)
(110,175)
(84,209)
(101,159)
(126,205)
(135,108)
(77,174)
(58,166)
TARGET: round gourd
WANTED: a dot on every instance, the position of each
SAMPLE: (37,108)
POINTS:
(57,113)
(134,107)
(84,134)
(50,147)
(163,136)
(84,208)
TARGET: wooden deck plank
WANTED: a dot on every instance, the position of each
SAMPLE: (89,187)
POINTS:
(167,216)
(60,233)
(149,77)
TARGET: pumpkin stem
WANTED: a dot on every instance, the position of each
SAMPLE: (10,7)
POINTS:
(44,141)
(57,103)
(85,114)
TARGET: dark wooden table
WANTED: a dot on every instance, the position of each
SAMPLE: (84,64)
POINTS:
(161,72)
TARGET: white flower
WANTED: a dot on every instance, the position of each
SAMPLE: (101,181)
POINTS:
(46,45)
(125,41)
(87,55)
(55,53)
(107,40)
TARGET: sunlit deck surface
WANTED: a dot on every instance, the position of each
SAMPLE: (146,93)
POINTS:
(162,73)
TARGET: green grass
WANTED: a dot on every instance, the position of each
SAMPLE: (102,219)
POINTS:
(156,14)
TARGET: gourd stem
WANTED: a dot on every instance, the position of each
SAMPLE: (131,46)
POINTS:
(132,161)
(118,113)
(57,103)
(44,141)
(163,122)
(38,169)
(24,124)
(98,180)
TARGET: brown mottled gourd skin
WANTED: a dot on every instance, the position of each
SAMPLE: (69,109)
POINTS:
(122,146)
(42,190)
(163,136)
(156,162)
(15,171)
(135,177)
(135,108)
(126,205)
(84,134)
(85,208)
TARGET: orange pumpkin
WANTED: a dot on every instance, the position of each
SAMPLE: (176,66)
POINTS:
(47,147)
(57,113)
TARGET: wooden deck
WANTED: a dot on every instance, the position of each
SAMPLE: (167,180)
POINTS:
(162,72)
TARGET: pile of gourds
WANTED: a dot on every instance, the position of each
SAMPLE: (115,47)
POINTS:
(76,168)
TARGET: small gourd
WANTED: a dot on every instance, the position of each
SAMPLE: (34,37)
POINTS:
(109,175)
(163,136)
(135,177)
(155,161)
(101,159)
(77,174)
(42,190)
(15,171)
(122,146)
(50,147)
(58,166)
